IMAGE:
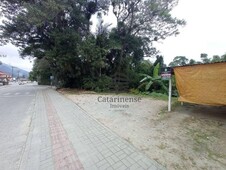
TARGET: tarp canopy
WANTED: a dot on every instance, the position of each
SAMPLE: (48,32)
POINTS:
(202,84)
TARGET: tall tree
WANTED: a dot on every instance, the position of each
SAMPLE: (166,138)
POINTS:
(59,32)
(223,57)
(192,62)
(179,61)
(148,21)
(216,58)
(51,29)
(41,72)
(204,58)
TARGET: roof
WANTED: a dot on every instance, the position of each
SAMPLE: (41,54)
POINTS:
(2,74)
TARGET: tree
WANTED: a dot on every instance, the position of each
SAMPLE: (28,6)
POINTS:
(41,72)
(144,66)
(148,21)
(216,58)
(53,30)
(223,57)
(204,58)
(59,32)
(192,62)
(179,61)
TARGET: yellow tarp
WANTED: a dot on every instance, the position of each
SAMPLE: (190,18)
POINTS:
(202,84)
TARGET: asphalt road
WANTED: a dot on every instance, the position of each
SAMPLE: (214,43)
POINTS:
(15,117)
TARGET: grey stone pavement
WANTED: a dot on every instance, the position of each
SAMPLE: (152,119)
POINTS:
(63,136)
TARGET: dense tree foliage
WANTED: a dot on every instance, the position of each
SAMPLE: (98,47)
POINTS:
(57,33)
(223,57)
(179,61)
(204,58)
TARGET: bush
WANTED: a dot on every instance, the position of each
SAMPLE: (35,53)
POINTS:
(134,91)
(89,84)
(101,84)
(134,78)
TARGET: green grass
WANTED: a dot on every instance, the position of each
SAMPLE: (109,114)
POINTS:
(202,141)
(162,146)
(153,95)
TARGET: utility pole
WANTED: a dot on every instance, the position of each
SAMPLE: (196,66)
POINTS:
(18,76)
(12,71)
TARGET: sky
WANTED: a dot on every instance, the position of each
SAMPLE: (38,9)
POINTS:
(9,55)
(205,32)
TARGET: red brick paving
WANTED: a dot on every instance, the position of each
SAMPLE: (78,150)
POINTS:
(65,156)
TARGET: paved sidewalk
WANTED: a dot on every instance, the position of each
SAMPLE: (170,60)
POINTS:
(62,136)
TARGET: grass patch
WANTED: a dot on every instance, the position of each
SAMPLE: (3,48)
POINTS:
(215,156)
(155,95)
(202,141)
(162,146)
(198,136)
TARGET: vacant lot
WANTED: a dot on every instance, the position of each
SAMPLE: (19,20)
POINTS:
(190,137)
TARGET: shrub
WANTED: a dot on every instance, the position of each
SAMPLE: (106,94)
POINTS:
(89,83)
(134,91)
(101,84)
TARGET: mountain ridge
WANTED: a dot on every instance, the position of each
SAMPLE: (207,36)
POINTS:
(8,69)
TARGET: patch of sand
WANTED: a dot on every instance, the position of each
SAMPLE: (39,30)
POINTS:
(191,137)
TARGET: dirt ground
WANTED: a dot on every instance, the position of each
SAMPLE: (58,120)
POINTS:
(189,137)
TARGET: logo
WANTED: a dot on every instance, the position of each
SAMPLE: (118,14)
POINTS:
(119,102)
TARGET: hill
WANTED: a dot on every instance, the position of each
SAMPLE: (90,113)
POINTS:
(8,69)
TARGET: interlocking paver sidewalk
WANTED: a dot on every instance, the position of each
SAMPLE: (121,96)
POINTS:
(63,136)
(38,149)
